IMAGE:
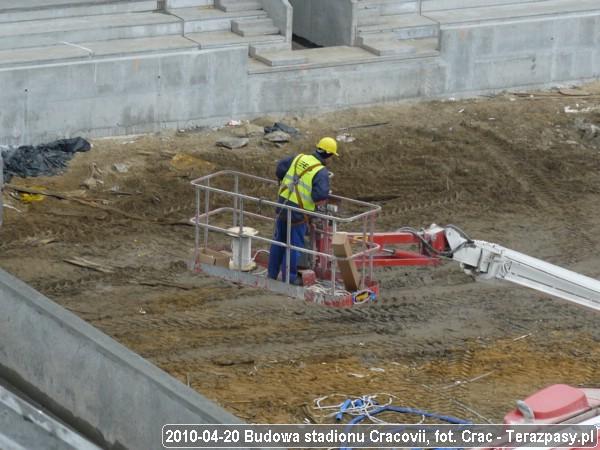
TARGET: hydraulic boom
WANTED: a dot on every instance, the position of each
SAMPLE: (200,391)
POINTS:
(487,261)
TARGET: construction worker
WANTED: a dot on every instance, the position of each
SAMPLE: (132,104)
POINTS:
(304,183)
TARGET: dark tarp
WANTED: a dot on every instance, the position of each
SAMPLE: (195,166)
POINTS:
(44,159)
(280,126)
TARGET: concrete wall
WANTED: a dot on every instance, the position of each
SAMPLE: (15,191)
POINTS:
(339,87)
(121,95)
(113,396)
(325,22)
(170,4)
(521,53)
(281,12)
(484,57)
(145,94)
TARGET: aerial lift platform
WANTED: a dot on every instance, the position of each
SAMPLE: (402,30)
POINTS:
(233,234)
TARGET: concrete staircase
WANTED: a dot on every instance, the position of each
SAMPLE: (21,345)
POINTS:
(50,31)
(394,27)
(387,27)
(26,10)
(228,23)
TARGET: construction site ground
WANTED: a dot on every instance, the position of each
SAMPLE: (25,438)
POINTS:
(516,169)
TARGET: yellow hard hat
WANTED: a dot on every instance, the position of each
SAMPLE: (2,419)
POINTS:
(328,145)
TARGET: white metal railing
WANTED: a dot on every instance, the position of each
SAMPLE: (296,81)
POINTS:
(205,189)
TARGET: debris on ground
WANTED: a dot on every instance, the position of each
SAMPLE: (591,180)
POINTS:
(94,179)
(184,161)
(44,159)
(277,137)
(84,263)
(280,126)
(27,197)
(589,131)
(232,142)
(249,130)
(345,137)
(121,167)
(366,125)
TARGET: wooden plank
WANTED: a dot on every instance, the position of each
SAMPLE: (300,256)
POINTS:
(342,249)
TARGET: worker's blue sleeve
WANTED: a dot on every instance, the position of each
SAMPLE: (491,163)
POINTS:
(283,166)
(320,185)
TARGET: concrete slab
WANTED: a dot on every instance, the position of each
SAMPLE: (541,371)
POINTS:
(38,33)
(442,5)
(36,4)
(87,50)
(20,13)
(24,425)
(505,12)
(275,46)
(86,379)
(37,55)
(84,23)
(215,39)
(386,7)
(281,58)
(172,4)
(155,44)
(239,5)
(254,27)
(211,13)
(317,58)
(386,47)
(395,22)
(212,19)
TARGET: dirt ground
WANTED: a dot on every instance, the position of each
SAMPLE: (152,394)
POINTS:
(519,170)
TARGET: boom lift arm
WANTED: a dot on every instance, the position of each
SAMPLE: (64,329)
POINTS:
(487,261)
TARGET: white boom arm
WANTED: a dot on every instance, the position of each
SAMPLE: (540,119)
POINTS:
(488,261)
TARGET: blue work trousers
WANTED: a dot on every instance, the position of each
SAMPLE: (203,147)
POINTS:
(277,254)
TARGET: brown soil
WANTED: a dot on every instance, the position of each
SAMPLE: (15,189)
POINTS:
(516,170)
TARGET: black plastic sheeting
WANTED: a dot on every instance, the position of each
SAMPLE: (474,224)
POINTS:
(45,159)
(280,126)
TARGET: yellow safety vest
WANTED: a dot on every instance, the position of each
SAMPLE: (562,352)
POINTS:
(296,185)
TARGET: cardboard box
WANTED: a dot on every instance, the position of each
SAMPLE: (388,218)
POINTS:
(213,257)
(342,249)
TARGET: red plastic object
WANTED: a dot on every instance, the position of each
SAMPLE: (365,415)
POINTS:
(552,404)
(308,277)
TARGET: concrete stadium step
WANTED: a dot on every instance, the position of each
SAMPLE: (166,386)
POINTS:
(220,39)
(202,19)
(369,12)
(332,56)
(87,50)
(25,11)
(390,46)
(386,7)
(238,5)
(442,5)
(254,27)
(274,46)
(514,11)
(174,4)
(281,57)
(404,26)
(37,33)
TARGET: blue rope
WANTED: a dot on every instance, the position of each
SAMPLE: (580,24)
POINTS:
(405,410)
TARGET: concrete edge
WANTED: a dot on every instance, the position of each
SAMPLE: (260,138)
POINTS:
(111,348)
(78,372)
(112,58)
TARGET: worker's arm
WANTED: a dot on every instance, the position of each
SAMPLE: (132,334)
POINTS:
(283,166)
(320,186)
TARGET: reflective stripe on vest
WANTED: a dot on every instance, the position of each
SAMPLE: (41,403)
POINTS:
(298,181)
